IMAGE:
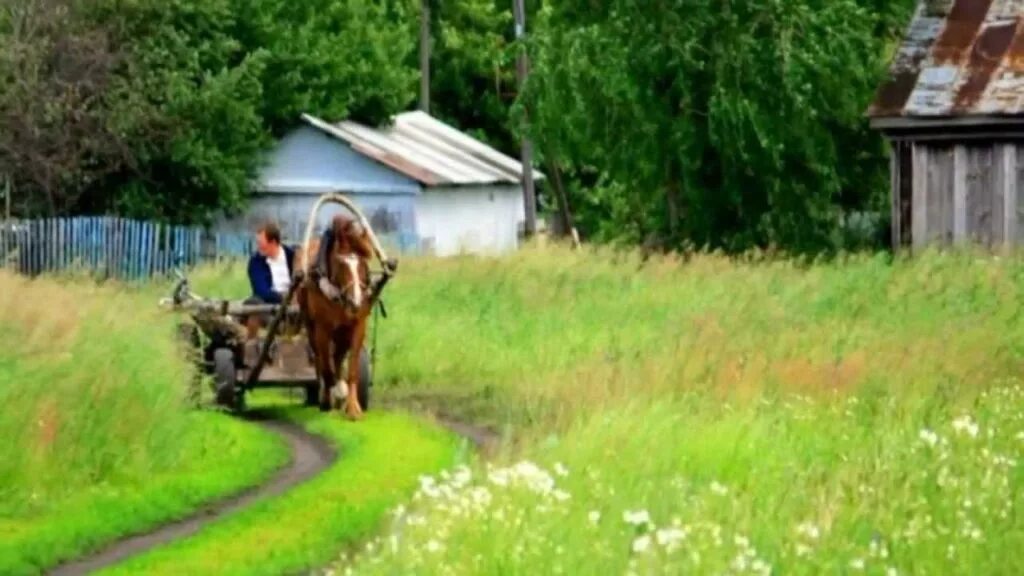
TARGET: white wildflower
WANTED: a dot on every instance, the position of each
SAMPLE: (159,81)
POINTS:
(561,470)
(636,517)
(928,437)
(890,571)
(809,530)
(594,517)
(561,495)
(857,564)
(434,546)
(641,544)
(719,488)
(669,538)
(964,424)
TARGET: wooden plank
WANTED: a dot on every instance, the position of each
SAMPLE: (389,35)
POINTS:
(153,244)
(37,247)
(144,249)
(1019,216)
(112,248)
(51,244)
(128,255)
(93,254)
(919,206)
(167,249)
(939,207)
(894,195)
(137,252)
(65,243)
(981,209)
(959,193)
(1008,177)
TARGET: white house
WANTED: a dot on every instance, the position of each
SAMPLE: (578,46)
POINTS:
(425,186)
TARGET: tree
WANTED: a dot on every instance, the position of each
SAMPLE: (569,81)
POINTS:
(171,105)
(727,124)
(55,136)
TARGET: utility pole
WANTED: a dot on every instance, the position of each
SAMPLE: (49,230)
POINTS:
(522,71)
(425,56)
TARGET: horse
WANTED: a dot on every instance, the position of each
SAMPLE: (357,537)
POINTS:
(336,328)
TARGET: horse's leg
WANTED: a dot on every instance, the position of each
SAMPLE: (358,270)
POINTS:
(341,340)
(313,399)
(322,351)
(354,406)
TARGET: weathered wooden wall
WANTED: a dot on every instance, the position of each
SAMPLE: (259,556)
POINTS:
(951,194)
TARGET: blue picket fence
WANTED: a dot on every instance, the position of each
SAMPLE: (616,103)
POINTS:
(110,247)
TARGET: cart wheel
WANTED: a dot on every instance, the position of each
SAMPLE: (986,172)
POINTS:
(224,377)
(365,378)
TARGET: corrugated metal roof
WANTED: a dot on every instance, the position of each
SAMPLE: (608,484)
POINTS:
(427,150)
(958,58)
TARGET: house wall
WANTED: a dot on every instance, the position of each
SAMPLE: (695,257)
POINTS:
(957,193)
(392,217)
(469,219)
(444,220)
(311,162)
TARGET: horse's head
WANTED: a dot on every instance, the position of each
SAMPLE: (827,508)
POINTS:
(352,251)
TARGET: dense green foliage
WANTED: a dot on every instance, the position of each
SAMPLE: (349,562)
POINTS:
(673,123)
(727,125)
(98,440)
(188,97)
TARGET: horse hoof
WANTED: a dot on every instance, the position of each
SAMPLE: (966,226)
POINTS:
(354,412)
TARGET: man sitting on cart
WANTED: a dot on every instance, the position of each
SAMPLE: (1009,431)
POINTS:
(270,268)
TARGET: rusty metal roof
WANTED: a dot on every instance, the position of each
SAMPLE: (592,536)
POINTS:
(427,150)
(958,58)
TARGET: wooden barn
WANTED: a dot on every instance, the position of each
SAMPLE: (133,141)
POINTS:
(953,109)
(425,186)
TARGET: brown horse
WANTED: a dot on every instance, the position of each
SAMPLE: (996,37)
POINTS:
(336,327)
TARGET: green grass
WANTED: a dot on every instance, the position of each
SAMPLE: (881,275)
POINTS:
(380,460)
(815,419)
(97,439)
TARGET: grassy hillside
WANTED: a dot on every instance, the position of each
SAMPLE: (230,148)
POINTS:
(97,440)
(712,416)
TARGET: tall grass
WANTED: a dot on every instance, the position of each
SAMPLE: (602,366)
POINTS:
(97,438)
(715,415)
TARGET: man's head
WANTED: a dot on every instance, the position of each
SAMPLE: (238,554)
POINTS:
(268,239)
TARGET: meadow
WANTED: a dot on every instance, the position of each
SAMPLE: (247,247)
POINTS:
(102,440)
(98,440)
(860,415)
(709,415)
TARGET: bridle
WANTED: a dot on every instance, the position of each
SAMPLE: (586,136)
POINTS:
(353,261)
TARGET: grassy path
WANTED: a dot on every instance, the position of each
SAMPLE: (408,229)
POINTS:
(380,460)
(99,514)
(310,455)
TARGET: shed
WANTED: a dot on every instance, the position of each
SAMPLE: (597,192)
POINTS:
(952,108)
(425,186)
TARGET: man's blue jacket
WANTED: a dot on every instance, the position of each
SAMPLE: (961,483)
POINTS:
(262,281)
